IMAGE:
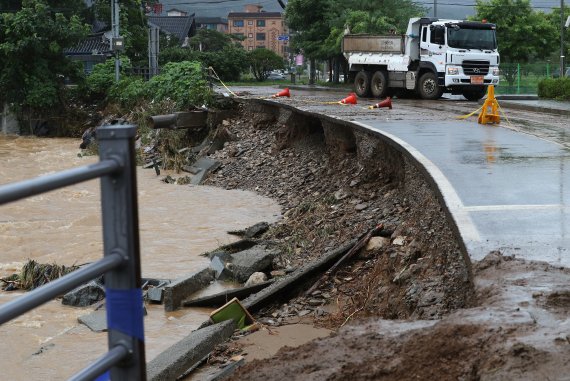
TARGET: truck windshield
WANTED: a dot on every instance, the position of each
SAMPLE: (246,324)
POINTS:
(464,38)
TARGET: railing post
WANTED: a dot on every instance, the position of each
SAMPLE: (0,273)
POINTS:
(124,301)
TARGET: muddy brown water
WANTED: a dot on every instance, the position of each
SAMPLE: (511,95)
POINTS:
(177,224)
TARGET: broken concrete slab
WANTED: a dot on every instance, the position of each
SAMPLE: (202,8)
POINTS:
(177,359)
(181,288)
(223,297)
(234,247)
(155,295)
(256,259)
(95,321)
(252,231)
(218,264)
(202,167)
(84,295)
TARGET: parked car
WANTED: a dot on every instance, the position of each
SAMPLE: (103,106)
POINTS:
(275,75)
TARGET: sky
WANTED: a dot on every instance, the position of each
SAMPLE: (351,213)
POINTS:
(220,8)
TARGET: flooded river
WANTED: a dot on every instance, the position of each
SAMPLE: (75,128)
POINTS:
(177,223)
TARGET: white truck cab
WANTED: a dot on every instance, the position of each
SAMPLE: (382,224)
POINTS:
(433,57)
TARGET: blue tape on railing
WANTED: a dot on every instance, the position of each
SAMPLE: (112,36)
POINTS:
(104,377)
(125,311)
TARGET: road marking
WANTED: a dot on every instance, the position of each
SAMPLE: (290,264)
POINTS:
(485,208)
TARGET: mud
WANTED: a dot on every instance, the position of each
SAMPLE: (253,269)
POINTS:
(413,308)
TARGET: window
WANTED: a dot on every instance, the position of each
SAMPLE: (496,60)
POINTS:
(250,22)
(260,36)
(260,47)
(250,48)
(424,34)
(260,23)
(250,35)
(437,35)
(272,22)
(238,23)
(239,35)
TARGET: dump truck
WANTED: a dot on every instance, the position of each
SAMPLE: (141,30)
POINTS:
(435,56)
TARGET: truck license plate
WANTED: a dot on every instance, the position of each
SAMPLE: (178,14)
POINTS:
(477,80)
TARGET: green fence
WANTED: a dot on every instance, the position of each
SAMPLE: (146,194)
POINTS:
(524,78)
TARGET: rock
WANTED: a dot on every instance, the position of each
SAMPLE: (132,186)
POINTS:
(361,207)
(256,278)
(247,262)
(399,241)
(340,194)
(377,243)
(315,302)
(304,313)
(278,273)
(84,295)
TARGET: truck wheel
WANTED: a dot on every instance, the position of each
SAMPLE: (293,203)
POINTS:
(428,88)
(379,84)
(362,84)
(475,94)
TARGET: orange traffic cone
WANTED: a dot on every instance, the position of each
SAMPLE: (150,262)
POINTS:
(350,100)
(283,93)
(385,103)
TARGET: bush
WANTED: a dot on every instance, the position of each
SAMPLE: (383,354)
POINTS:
(228,63)
(128,91)
(102,78)
(554,88)
(183,82)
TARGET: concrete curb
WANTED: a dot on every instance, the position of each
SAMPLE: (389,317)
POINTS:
(180,289)
(527,107)
(180,357)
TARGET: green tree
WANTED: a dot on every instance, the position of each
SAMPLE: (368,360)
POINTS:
(310,21)
(262,61)
(209,40)
(522,33)
(32,64)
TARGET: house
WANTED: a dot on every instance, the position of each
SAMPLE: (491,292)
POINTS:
(176,12)
(260,29)
(181,27)
(214,23)
(94,49)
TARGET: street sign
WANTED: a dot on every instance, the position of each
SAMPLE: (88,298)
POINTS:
(283,37)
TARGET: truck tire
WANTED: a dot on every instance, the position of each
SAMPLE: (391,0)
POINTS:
(379,84)
(475,94)
(362,84)
(428,88)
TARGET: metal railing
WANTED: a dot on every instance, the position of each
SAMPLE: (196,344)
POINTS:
(120,264)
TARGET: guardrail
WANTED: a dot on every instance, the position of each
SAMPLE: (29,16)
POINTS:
(120,264)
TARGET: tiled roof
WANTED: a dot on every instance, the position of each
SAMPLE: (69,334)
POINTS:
(94,44)
(254,15)
(178,26)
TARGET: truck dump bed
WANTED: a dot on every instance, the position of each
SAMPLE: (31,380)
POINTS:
(367,43)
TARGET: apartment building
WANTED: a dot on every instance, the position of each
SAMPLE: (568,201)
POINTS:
(260,29)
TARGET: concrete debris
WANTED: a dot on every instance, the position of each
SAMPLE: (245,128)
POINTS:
(84,295)
(247,262)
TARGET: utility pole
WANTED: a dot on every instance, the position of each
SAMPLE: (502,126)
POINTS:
(434,8)
(116,41)
(562,66)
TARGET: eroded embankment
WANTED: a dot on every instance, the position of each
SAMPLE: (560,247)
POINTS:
(335,181)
